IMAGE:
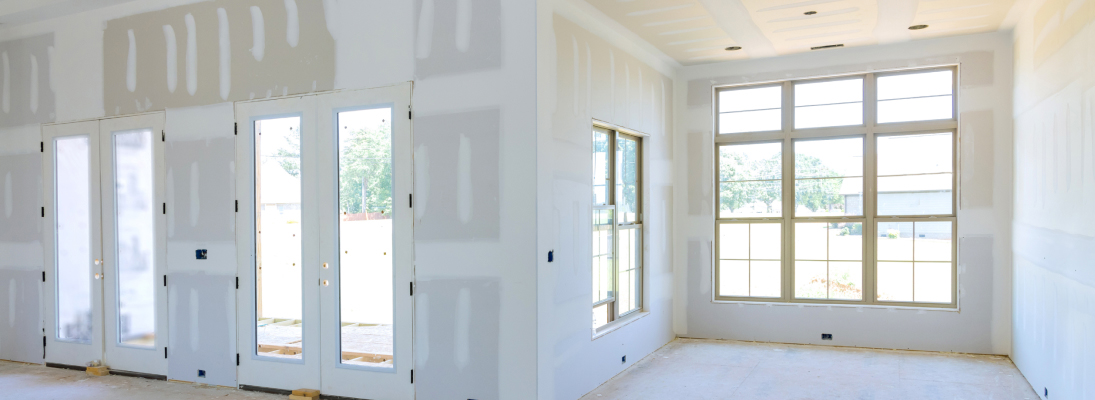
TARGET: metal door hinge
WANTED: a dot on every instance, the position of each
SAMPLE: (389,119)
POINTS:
(164,352)
(237,359)
(163,136)
(165,280)
(237,282)
(409,113)
(410,200)
(236,127)
(43,276)
(42,147)
(412,288)
(412,376)
(43,212)
(237,206)
(164,208)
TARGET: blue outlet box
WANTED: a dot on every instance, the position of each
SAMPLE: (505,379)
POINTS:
(201,254)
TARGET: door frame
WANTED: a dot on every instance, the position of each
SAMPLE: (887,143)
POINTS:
(116,355)
(58,351)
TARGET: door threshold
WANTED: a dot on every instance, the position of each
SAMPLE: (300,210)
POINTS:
(288,392)
(66,366)
(139,375)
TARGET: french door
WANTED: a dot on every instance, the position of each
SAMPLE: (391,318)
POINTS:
(326,243)
(104,265)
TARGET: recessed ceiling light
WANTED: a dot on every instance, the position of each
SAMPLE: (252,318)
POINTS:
(733,48)
(917,27)
(827,46)
(810,12)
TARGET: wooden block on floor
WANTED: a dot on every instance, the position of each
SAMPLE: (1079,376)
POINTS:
(98,371)
(304,394)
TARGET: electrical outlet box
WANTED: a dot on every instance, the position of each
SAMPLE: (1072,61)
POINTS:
(201,254)
(623,359)
(201,373)
(826,336)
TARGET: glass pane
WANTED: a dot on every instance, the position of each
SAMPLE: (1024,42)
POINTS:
(831,158)
(895,241)
(600,315)
(762,98)
(845,280)
(751,121)
(918,109)
(811,280)
(828,197)
(734,278)
(764,241)
(830,103)
(72,172)
(602,254)
(915,174)
(933,282)
(933,241)
(764,279)
(846,241)
(630,263)
(278,238)
(365,266)
(895,281)
(828,92)
(135,237)
(734,241)
(810,241)
(749,177)
(915,85)
(627,179)
(600,167)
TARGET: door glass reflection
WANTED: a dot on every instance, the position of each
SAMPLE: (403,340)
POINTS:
(72,214)
(135,237)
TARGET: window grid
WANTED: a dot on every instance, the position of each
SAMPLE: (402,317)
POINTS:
(630,227)
(870,219)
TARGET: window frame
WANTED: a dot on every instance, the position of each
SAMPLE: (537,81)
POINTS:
(869,131)
(615,317)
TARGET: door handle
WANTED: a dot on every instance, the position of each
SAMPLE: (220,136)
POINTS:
(98,275)
(98,261)
(324,265)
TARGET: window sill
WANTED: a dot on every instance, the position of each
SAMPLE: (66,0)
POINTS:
(617,324)
(741,303)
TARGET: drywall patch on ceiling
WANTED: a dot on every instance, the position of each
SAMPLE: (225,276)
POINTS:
(26,93)
(224,58)
(457,36)
(460,154)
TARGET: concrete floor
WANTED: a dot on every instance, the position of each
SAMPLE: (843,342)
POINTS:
(30,381)
(725,369)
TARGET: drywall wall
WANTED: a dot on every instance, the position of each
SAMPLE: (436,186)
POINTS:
(26,83)
(21,257)
(587,72)
(981,325)
(473,63)
(1054,223)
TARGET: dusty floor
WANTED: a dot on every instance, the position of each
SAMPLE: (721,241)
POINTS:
(723,369)
(29,381)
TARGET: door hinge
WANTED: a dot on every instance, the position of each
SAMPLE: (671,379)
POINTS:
(43,212)
(163,136)
(164,208)
(237,359)
(412,376)
(43,347)
(409,114)
(42,147)
(236,127)
(43,276)
(410,200)
(165,280)
(237,206)
(412,288)
(237,282)
(164,352)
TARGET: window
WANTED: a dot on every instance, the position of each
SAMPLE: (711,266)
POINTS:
(852,200)
(617,226)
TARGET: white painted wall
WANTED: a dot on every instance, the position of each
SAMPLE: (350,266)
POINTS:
(473,64)
(589,70)
(983,323)
(1054,222)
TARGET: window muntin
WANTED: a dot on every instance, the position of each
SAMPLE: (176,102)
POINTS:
(916,97)
(829,177)
(750,259)
(616,263)
(749,180)
(829,103)
(914,261)
(755,109)
(888,161)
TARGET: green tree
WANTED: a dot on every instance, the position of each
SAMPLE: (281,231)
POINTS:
(744,181)
(289,155)
(817,194)
(365,172)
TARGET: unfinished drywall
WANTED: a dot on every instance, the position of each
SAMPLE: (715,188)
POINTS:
(588,72)
(216,51)
(200,156)
(26,81)
(983,322)
(21,254)
(1054,224)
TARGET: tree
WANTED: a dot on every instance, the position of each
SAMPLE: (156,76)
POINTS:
(817,194)
(289,157)
(745,181)
(365,172)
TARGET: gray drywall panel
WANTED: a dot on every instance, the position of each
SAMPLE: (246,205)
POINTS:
(202,316)
(20,321)
(216,51)
(977,158)
(457,36)
(457,341)
(457,176)
(26,81)
(21,253)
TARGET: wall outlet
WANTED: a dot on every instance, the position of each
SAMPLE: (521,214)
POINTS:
(551,255)
(623,359)
(201,254)
(826,336)
(201,373)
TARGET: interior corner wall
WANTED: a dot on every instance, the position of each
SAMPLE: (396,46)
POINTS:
(473,64)
(983,322)
(21,252)
(584,76)
(1054,222)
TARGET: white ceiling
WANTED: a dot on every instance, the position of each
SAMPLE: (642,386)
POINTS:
(698,31)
